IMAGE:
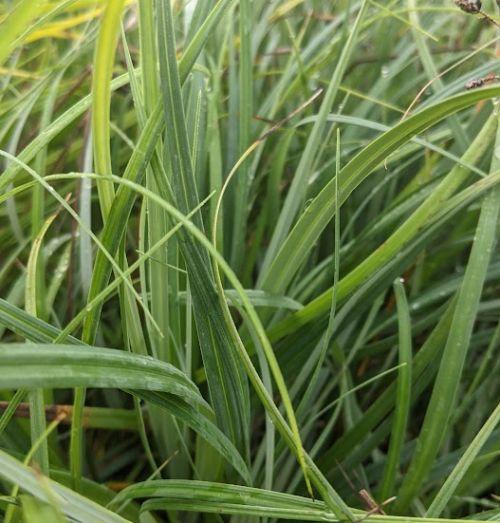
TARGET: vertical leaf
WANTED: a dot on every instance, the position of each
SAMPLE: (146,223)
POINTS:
(297,190)
(437,418)
(101,99)
(36,396)
(228,386)
(243,180)
(403,394)
(104,58)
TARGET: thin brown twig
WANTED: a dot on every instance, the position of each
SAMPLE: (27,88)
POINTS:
(287,118)
(371,505)
(442,73)
(52,412)
(61,413)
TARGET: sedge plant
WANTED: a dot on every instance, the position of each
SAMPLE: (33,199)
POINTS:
(248,261)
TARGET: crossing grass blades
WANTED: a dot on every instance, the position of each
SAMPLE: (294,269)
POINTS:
(249,268)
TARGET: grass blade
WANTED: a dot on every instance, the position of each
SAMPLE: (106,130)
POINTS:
(228,387)
(297,190)
(452,481)
(444,392)
(403,394)
(322,208)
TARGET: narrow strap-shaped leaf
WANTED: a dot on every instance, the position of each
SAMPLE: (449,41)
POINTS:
(37,401)
(245,95)
(297,190)
(228,387)
(205,496)
(453,480)
(403,394)
(101,97)
(437,418)
(64,366)
(322,208)
(258,299)
(29,365)
(72,504)
(28,326)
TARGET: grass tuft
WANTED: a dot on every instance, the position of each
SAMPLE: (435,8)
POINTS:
(249,267)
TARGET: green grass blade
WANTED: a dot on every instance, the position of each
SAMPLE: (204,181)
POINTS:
(228,387)
(243,182)
(403,394)
(204,496)
(101,97)
(37,401)
(449,487)
(15,23)
(322,208)
(444,392)
(65,366)
(72,365)
(73,505)
(296,193)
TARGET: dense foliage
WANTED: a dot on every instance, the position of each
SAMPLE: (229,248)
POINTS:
(248,266)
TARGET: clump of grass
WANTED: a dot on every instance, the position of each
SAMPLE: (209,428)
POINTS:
(249,266)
